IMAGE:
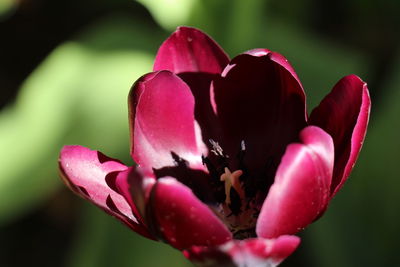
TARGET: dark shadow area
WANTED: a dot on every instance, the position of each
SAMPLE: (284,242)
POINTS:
(203,185)
(199,84)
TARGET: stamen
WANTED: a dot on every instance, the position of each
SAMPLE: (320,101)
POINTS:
(241,154)
(217,149)
(231,179)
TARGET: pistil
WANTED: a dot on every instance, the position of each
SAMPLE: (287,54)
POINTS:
(231,179)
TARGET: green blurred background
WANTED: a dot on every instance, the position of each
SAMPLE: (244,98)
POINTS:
(65,71)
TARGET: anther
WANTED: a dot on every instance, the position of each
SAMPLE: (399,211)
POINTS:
(241,154)
(217,149)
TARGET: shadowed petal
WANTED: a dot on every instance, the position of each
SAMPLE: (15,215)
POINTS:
(278,58)
(190,50)
(257,252)
(199,83)
(162,121)
(258,99)
(181,219)
(344,114)
(85,171)
(301,188)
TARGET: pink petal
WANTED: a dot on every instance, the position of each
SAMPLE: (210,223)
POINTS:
(85,171)
(344,114)
(258,52)
(182,220)
(301,188)
(258,252)
(190,50)
(259,100)
(135,186)
(197,59)
(162,121)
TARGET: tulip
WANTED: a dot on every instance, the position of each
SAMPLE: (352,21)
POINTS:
(229,165)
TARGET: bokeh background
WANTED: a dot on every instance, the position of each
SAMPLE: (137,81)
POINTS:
(65,71)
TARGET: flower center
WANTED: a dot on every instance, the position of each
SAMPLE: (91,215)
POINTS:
(232,187)
(237,192)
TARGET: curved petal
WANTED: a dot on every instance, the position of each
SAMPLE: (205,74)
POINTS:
(197,59)
(135,186)
(258,252)
(278,58)
(281,60)
(161,111)
(258,52)
(301,188)
(344,114)
(181,219)
(190,50)
(85,170)
(259,99)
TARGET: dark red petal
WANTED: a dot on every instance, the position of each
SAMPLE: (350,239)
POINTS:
(259,99)
(281,60)
(251,252)
(162,121)
(182,219)
(344,114)
(278,58)
(85,170)
(301,188)
(199,84)
(190,50)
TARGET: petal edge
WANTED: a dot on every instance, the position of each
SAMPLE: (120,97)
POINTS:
(190,50)
(181,219)
(344,114)
(258,252)
(300,192)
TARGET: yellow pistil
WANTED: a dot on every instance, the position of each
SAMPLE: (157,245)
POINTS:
(231,179)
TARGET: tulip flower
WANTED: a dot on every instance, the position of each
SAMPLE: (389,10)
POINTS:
(229,165)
